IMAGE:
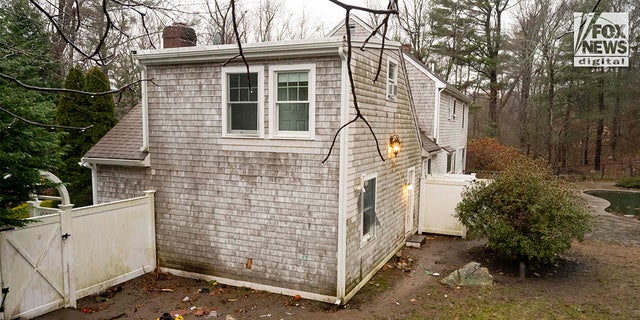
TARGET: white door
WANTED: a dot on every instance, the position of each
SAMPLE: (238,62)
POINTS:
(410,189)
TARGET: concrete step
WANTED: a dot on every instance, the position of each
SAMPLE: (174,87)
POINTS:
(416,241)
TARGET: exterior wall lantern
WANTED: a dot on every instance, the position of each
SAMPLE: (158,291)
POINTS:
(394,145)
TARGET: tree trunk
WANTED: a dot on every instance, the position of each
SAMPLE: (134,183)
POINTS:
(600,128)
(615,128)
(493,104)
(550,98)
(585,148)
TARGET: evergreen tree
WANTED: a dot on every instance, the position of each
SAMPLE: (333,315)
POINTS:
(73,111)
(76,109)
(25,148)
(102,107)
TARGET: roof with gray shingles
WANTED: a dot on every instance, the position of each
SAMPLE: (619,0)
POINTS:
(122,142)
(449,87)
(428,144)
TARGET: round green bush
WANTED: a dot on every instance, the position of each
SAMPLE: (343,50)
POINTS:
(525,213)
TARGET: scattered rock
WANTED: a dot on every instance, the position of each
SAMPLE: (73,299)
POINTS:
(469,276)
(230,317)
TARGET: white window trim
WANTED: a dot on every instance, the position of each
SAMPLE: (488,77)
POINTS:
(452,109)
(259,69)
(392,94)
(364,239)
(273,93)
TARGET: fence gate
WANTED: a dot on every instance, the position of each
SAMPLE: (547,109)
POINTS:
(33,269)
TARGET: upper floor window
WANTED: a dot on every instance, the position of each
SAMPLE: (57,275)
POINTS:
(392,80)
(452,108)
(292,106)
(242,99)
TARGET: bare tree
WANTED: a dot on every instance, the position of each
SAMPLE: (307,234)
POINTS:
(219,24)
(414,21)
(267,14)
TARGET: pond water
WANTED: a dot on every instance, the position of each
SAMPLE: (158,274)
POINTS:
(622,202)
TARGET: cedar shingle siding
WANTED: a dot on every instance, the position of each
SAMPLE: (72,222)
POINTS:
(221,201)
(387,117)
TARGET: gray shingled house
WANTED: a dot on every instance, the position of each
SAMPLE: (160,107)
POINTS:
(236,158)
(443,116)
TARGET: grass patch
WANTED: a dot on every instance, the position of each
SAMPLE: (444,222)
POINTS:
(508,302)
(629,182)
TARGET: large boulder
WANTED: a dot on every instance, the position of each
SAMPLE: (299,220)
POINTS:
(469,276)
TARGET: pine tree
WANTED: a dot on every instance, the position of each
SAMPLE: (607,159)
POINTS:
(102,107)
(75,109)
(25,149)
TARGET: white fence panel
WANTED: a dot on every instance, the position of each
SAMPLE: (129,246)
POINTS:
(32,268)
(74,253)
(113,243)
(439,196)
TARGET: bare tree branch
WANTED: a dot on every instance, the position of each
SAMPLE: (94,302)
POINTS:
(393,4)
(43,125)
(235,29)
(63,90)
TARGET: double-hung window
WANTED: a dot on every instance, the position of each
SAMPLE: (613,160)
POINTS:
(242,99)
(392,80)
(292,103)
(452,108)
(368,208)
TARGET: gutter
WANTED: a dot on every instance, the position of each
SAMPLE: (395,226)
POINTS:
(222,53)
(259,50)
(117,162)
(436,116)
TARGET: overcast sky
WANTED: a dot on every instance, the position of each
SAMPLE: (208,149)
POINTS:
(327,12)
(323,11)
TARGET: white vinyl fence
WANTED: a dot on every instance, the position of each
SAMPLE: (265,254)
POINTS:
(73,253)
(439,196)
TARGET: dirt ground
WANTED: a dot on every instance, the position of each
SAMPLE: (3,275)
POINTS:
(598,278)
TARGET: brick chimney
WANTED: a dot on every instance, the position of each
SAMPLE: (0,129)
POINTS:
(179,35)
(406,47)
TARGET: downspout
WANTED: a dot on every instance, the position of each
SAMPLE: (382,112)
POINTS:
(145,111)
(94,178)
(94,183)
(436,116)
(342,188)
